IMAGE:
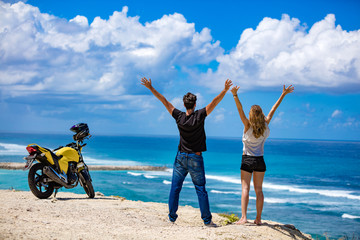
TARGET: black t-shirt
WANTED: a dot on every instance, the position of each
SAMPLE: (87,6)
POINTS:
(191,128)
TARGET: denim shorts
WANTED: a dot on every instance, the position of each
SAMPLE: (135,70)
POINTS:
(253,163)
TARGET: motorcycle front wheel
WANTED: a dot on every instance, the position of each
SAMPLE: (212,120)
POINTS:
(37,184)
(86,183)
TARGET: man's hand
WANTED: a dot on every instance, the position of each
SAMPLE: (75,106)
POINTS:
(167,104)
(228,84)
(210,107)
(146,83)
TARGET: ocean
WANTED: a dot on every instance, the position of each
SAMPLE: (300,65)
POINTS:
(314,185)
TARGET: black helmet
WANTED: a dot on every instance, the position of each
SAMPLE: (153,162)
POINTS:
(81,131)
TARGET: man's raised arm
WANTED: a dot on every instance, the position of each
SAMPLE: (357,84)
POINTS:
(167,104)
(210,107)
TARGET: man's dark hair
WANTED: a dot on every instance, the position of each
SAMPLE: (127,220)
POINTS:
(189,100)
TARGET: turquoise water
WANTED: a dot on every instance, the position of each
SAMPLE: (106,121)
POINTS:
(314,185)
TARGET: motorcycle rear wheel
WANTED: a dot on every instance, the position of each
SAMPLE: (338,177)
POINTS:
(38,186)
(86,183)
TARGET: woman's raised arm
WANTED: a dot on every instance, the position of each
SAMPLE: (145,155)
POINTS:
(243,117)
(285,91)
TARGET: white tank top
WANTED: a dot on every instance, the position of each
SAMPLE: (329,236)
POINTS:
(254,146)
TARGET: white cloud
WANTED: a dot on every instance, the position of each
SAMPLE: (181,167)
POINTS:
(336,113)
(162,116)
(340,119)
(56,112)
(80,20)
(219,115)
(282,52)
(200,101)
(278,119)
(351,122)
(177,103)
(44,53)
(123,102)
(309,108)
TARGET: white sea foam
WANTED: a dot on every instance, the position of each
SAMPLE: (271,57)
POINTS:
(345,215)
(224,179)
(149,176)
(154,174)
(118,162)
(12,149)
(323,192)
(166,182)
(159,173)
(297,201)
(134,173)
(276,200)
(229,206)
(279,200)
(225,192)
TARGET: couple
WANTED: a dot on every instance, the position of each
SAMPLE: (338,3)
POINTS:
(193,142)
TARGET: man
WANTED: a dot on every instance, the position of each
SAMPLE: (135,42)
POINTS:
(192,143)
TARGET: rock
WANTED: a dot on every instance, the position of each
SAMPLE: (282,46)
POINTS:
(99,194)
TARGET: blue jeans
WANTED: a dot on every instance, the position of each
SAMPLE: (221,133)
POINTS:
(189,163)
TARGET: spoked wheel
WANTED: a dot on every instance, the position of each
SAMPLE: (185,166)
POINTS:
(85,181)
(37,184)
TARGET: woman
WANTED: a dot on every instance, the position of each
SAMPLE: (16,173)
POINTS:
(256,131)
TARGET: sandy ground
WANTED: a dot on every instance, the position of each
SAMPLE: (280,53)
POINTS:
(74,216)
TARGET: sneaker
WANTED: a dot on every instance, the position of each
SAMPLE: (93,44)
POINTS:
(211,224)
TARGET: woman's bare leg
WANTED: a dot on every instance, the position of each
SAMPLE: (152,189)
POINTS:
(245,185)
(258,182)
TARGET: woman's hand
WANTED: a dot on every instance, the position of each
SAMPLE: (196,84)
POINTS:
(146,83)
(234,90)
(287,90)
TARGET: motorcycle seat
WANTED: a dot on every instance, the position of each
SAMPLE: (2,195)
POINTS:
(56,159)
(53,155)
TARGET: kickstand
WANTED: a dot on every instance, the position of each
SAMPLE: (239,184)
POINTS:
(56,191)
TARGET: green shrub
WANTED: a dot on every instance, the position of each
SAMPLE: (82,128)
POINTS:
(230,218)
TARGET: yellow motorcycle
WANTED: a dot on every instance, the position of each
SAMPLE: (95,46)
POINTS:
(62,167)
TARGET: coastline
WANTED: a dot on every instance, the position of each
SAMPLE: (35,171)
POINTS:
(292,194)
(20,166)
(74,216)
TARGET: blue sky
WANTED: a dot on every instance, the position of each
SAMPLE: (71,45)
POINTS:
(63,62)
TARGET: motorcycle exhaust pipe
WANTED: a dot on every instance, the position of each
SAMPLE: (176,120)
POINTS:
(56,177)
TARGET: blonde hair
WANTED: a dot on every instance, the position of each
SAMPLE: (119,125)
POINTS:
(257,120)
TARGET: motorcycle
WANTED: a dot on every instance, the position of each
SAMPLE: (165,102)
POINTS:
(62,167)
